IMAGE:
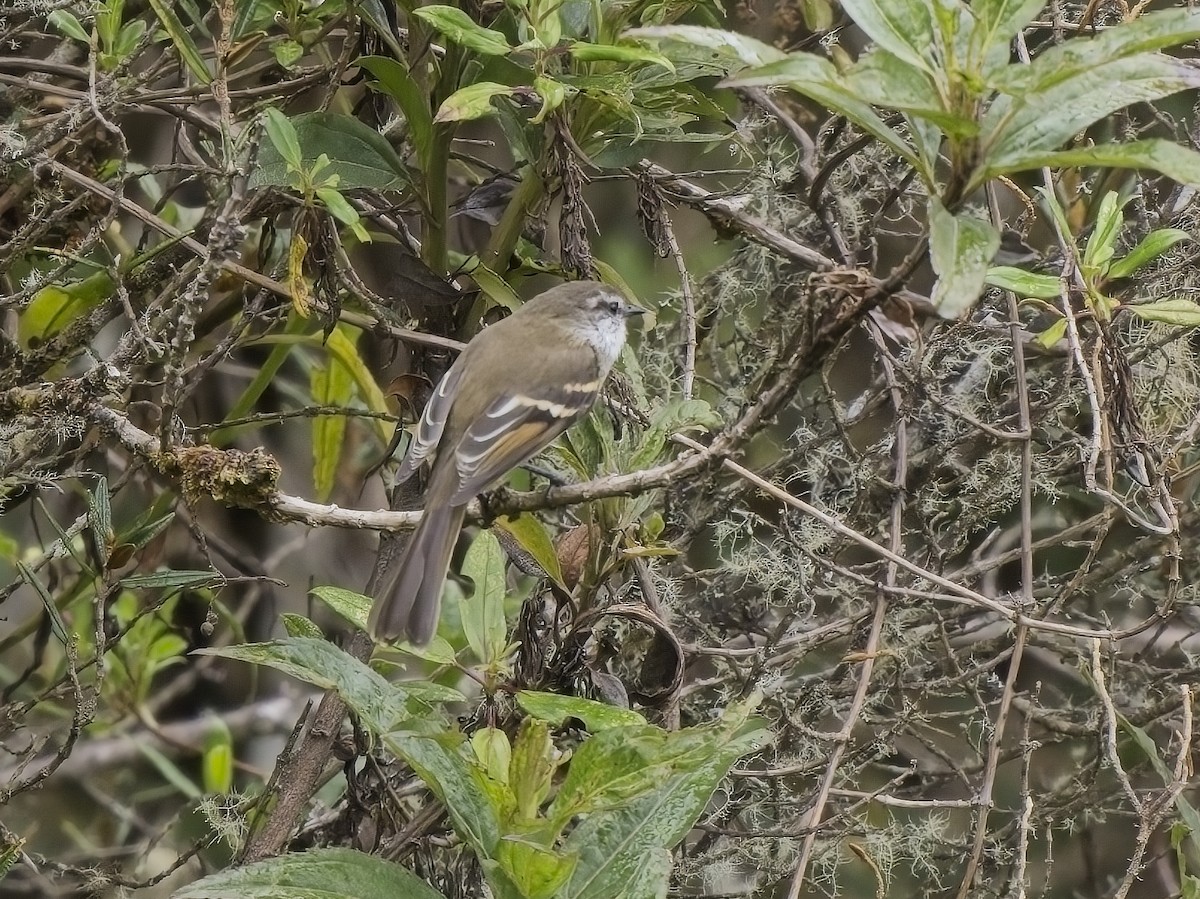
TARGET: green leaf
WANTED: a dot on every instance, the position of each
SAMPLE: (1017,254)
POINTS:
(1040,121)
(170,579)
(359,155)
(1109,221)
(552,92)
(1052,335)
(462,29)
(1151,247)
(169,771)
(182,39)
(382,706)
(493,752)
(446,765)
(68,25)
(1023,283)
(217,759)
(961,248)
(536,871)
(884,79)
(997,22)
(471,102)
(817,78)
(299,626)
(354,607)
(483,613)
(902,27)
(1184,313)
(287,53)
(1148,32)
(55,306)
(622,849)
(535,540)
(596,716)
(726,51)
(586,52)
(397,81)
(342,345)
(1187,812)
(282,135)
(331,385)
(373,13)
(100,520)
(310,875)
(1176,162)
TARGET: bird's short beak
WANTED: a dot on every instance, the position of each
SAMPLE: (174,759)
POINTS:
(632,310)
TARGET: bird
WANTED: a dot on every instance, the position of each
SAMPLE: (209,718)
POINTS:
(518,384)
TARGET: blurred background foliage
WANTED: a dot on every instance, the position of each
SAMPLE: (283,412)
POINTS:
(903,463)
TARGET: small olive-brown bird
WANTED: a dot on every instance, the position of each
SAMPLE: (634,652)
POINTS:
(519,384)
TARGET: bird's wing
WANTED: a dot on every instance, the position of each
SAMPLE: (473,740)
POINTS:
(515,428)
(432,423)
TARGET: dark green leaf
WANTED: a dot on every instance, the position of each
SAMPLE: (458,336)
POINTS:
(902,27)
(483,612)
(170,579)
(182,39)
(358,154)
(1176,162)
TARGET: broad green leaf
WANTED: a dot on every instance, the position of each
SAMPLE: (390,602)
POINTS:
(535,540)
(354,607)
(621,850)
(819,79)
(331,385)
(483,612)
(471,102)
(380,704)
(1184,313)
(536,871)
(287,53)
(596,716)
(312,875)
(1023,283)
(585,52)
(1041,121)
(494,287)
(217,758)
(726,51)
(1176,162)
(462,29)
(396,80)
(358,155)
(902,27)
(961,248)
(1148,32)
(884,79)
(1150,248)
(68,25)
(182,39)
(339,207)
(493,752)
(446,765)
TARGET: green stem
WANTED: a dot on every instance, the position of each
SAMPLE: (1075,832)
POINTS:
(504,239)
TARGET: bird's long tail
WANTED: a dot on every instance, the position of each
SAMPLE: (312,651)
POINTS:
(409,597)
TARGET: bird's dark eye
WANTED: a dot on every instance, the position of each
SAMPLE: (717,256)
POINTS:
(614,307)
